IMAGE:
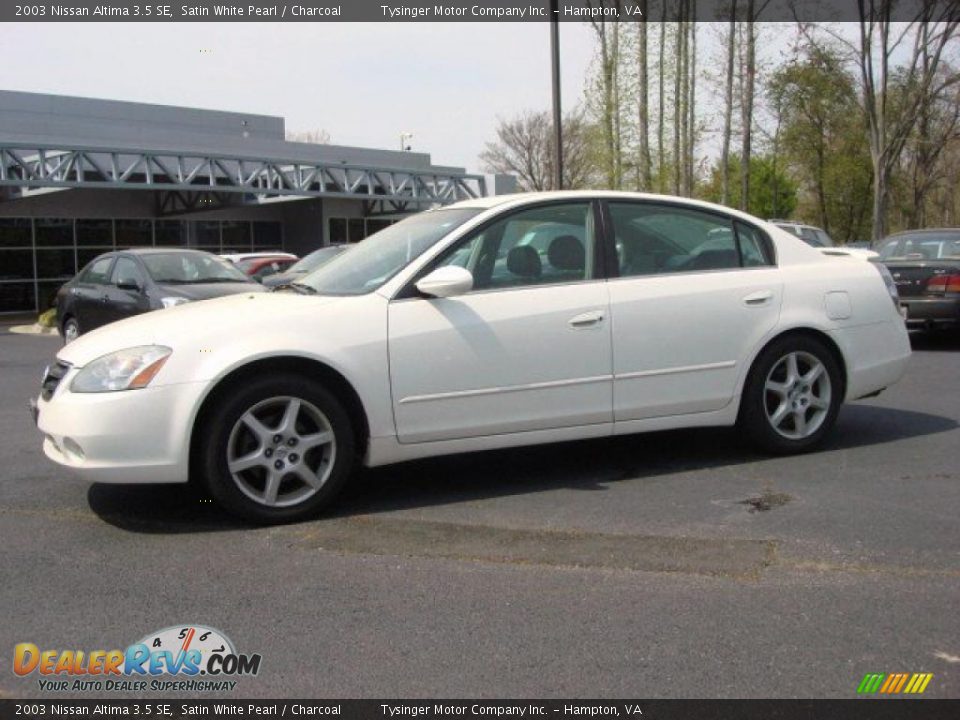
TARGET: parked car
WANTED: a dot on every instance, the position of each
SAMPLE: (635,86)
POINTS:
(117,285)
(925,265)
(668,313)
(237,257)
(263,267)
(305,265)
(815,237)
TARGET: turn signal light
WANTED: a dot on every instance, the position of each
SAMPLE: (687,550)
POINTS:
(944,284)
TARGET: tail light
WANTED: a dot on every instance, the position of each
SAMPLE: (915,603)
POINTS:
(889,282)
(944,284)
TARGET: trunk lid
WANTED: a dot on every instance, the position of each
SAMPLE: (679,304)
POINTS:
(913,276)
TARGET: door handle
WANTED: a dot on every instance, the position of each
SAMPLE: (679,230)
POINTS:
(762,297)
(587,319)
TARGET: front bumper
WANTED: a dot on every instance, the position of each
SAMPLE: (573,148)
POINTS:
(131,436)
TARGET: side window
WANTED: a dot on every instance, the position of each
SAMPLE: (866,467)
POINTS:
(537,246)
(653,239)
(126,271)
(754,250)
(97,271)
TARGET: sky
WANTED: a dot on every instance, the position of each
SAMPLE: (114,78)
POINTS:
(364,83)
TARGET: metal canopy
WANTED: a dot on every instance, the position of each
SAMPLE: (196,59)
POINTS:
(31,167)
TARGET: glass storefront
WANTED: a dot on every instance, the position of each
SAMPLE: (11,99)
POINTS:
(37,255)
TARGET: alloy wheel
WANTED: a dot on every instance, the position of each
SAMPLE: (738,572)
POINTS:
(281,451)
(797,395)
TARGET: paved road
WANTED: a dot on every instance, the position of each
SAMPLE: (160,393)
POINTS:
(675,564)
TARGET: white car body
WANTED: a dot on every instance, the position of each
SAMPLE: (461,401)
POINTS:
(489,369)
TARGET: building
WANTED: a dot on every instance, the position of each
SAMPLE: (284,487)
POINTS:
(80,176)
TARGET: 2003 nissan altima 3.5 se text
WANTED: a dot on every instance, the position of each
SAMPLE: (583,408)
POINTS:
(493,322)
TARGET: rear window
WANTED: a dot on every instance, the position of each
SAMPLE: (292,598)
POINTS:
(928,246)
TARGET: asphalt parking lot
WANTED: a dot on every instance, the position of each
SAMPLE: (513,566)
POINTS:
(677,564)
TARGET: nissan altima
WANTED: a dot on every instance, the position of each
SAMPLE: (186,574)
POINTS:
(494,322)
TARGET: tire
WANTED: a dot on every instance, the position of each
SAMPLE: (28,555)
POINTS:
(257,465)
(789,406)
(70,329)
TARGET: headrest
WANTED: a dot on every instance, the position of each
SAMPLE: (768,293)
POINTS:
(566,253)
(524,261)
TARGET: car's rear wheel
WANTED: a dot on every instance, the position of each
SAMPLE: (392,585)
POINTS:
(279,450)
(71,330)
(792,396)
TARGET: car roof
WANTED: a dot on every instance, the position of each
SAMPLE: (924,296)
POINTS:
(158,250)
(521,199)
(922,231)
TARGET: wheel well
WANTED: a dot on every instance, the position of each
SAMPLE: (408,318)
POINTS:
(818,335)
(333,380)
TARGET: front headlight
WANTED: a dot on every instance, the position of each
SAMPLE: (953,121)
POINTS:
(128,369)
(169,302)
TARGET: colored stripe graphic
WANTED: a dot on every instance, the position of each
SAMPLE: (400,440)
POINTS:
(894,683)
(870,683)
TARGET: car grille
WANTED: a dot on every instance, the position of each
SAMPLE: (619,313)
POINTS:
(52,377)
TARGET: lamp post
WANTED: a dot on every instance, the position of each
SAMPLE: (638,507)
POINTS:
(557,112)
(404,136)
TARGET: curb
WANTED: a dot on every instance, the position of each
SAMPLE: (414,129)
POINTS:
(34,329)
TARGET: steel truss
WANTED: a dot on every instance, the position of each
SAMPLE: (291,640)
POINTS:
(29,167)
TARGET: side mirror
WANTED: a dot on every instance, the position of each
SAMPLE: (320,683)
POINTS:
(128,284)
(446,281)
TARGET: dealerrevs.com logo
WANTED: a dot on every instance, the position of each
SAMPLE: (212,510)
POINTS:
(197,657)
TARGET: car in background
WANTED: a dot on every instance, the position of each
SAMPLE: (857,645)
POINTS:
(395,350)
(302,267)
(121,284)
(925,265)
(237,257)
(815,237)
(262,267)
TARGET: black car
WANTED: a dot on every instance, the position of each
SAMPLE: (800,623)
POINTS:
(925,265)
(305,265)
(119,284)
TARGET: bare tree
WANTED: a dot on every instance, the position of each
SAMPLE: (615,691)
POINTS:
(691,100)
(661,107)
(728,107)
(524,147)
(643,106)
(608,35)
(893,95)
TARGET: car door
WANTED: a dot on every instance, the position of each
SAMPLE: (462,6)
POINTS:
(527,349)
(695,294)
(89,292)
(123,302)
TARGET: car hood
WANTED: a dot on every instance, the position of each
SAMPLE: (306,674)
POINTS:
(205,291)
(196,323)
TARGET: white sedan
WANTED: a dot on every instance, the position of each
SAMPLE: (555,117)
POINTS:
(453,331)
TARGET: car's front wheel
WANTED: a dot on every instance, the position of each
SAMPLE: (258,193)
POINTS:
(279,449)
(792,395)
(70,330)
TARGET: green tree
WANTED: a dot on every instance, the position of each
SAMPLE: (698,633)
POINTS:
(823,138)
(772,192)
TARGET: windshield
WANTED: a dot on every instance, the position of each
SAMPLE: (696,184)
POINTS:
(372,262)
(193,267)
(315,259)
